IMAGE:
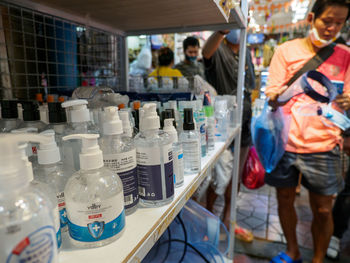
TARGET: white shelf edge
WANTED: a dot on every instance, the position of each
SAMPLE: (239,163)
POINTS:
(150,237)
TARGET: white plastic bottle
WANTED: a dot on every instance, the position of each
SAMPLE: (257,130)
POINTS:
(178,165)
(9,116)
(31,147)
(79,123)
(51,172)
(190,140)
(94,198)
(154,160)
(26,230)
(209,113)
(119,154)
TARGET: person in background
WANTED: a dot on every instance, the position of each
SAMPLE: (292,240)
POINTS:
(221,57)
(313,147)
(165,64)
(190,66)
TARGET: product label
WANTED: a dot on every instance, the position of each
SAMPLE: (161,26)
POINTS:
(150,170)
(89,222)
(62,209)
(192,158)
(31,241)
(124,164)
(178,166)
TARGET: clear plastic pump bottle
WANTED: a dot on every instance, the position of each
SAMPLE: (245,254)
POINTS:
(26,218)
(94,198)
(154,160)
(119,154)
(191,144)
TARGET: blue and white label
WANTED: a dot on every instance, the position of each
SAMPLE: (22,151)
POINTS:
(57,226)
(95,221)
(39,246)
(62,208)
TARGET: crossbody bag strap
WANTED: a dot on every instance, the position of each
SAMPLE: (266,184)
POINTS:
(321,56)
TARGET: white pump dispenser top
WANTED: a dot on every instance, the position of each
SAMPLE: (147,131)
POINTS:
(91,156)
(150,119)
(13,167)
(28,165)
(112,125)
(48,153)
(78,111)
(124,116)
(170,129)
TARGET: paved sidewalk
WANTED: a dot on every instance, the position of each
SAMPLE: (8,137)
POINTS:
(257,210)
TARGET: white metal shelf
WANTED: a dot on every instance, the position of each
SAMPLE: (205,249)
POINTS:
(146,225)
(139,16)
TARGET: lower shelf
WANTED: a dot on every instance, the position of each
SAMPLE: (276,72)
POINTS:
(146,225)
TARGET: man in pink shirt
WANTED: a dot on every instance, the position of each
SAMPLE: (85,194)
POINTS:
(313,146)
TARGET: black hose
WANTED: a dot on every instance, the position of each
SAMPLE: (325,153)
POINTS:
(185,235)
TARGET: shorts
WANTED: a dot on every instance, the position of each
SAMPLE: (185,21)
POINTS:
(321,172)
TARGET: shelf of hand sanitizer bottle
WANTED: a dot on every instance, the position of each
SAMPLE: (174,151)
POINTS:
(145,226)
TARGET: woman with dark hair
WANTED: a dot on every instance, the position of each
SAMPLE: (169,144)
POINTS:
(165,64)
(313,148)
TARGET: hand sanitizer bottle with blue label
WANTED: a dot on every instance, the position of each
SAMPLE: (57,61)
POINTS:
(94,198)
(154,160)
(119,154)
(27,229)
(51,172)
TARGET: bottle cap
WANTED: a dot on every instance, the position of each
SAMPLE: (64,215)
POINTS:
(150,119)
(207,99)
(57,114)
(30,111)
(188,119)
(60,99)
(91,156)
(136,104)
(112,125)
(121,106)
(9,109)
(78,110)
(48,153)
(170,113)
(50,98)
(170,129)
(39,97)
(209,111)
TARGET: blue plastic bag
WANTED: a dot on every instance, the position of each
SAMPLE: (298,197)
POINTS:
(270,135)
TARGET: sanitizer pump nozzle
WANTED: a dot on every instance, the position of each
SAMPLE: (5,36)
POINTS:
(78,111)
(10,170)
(48,153)
(150,119)
(112,125)
(91,156)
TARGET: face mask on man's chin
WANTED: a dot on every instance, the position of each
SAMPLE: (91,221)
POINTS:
(190,58)
(317,41)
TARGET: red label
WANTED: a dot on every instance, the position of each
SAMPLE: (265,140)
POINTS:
(61,204)
(21,245)
(95,216)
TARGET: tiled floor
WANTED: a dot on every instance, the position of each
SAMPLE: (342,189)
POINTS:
(257,211)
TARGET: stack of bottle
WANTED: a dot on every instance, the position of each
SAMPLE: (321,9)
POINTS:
(89,176)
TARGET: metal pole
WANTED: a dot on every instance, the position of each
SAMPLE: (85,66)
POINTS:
(237,145)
